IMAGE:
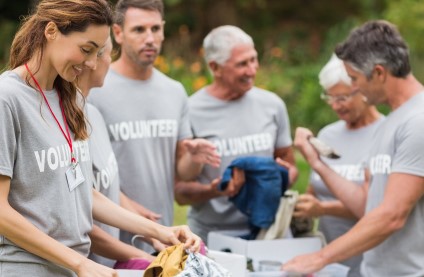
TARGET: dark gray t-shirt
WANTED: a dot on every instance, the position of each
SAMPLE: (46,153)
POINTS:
(398,148)
(353,147)
(35,154)
(254,125)
(145,120)
(105,170)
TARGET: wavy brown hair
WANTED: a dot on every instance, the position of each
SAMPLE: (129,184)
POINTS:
(69,16)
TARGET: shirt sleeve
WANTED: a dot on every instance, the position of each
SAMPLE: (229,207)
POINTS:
(8,136)
(283,126)
(184,128)
(409,147)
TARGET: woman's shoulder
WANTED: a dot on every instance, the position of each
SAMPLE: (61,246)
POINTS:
(10,84)
(332,129)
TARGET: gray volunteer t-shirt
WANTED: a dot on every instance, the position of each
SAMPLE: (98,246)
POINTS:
(105,170)
(398,148)
(145,120)
(353,147)
(35,154)
(254,125)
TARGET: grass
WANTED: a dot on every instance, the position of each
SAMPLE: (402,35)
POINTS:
(180,212)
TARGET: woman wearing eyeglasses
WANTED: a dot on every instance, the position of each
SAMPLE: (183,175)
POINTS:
(350,137)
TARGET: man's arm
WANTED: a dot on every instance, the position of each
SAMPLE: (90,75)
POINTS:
(189,193)
(285,157)
(372,229)
(191,155)
(350,194)
(109,247)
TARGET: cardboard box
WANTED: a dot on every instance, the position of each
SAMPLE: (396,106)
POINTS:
(332,270)
(280,250)
(234,263)
(130,273)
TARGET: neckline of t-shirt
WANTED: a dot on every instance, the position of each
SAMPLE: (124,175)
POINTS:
(137,81)
(15,75)
(224,102)
(366,127)
(406,105)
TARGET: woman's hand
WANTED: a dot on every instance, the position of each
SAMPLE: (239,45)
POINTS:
(180,234)
(308,206)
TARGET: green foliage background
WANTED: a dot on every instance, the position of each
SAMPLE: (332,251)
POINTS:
(294,40)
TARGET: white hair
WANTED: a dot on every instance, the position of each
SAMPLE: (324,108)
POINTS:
(333,73)
(219,43)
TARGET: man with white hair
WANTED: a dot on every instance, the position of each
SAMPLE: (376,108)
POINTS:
(351,136)
(241,120)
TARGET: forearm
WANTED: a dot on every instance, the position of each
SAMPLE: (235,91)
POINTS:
(24,234)
(126,203)
(187,170)
(107,246)
(189,193)
(370,231)
(336,208)
(105,211)
(349,193)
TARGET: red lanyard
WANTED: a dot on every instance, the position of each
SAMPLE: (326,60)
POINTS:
(67,135)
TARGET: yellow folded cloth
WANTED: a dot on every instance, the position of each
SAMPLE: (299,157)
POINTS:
(168,263)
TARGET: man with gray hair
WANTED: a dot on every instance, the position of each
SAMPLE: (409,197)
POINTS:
(351,136)
(232,114)
(390,233)
(146,116)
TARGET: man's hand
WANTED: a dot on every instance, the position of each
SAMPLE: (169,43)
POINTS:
(233,186)
(302,144)
(309,263)
(202,152)
(236,182)
(293,172)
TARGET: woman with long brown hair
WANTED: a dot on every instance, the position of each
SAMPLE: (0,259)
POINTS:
(46,196)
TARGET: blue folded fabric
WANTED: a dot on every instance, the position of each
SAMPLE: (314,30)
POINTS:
(266,182)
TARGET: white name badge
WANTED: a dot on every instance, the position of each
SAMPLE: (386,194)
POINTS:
(74,177)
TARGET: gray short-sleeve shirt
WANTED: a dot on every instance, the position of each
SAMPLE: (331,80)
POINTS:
(353,147)
(398,148)
(35,154)
(255,125)
(105,170)
(145,120)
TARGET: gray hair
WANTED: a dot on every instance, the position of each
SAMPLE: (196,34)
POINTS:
(333,73)
(219,43)
(376,42)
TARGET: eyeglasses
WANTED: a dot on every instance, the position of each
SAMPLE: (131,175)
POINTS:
(340,99)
